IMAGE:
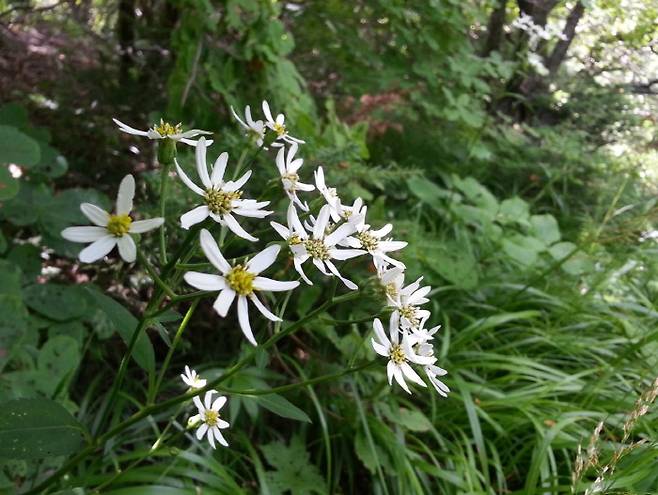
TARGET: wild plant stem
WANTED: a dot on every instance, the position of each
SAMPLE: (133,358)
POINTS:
(152,273)
(164,175)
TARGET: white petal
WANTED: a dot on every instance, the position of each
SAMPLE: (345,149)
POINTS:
(267,284)
(250,212)
(281,230)
(201,431)
(201,166)
(390,371)
(219,403)
(412,375)
(261,307)
(224,301)
(280,161)
(345,254)
(129,130)
(379,332)
(192,142)
(212,252)
(263,260)
(95,214)
(320,266)
(379,349)
(127,248)
(207,399)
(186,180)
(125,195)
(211,437)
(192,217)
(193,133)
(235,227)
(222,424)
(348,283)
(205,281)
(339,234)
(387,246)
(141,226)
(298,266)
(197,403)
(97,249)
(84,234)
(383,231)
(237,117)
(218,169)
(321,223)
(399,377)
(267,112)
(243,319)
(220,438)
(235,185)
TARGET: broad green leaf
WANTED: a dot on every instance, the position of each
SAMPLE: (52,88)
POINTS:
(294,471)
(522,249)
(282,407)
(37,428)
(576,262)
(58,357)
(28,258)
(125,324)
(14,114)
(10,278)
(454,262)
(57,302)
(18,148)
(425,190)
(14,324)
(414,420)
(364,452)
(513,210)
(545,228)
(74,329)
(8,185)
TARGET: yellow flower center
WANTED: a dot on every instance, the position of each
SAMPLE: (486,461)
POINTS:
(294,240)
(240,280)
(280,129)
(166,129)
(368,241)
(397,354)
(119,225)
(219,202)
(211,417)
(391,290)
(317,249)
(409,312)
(290,177)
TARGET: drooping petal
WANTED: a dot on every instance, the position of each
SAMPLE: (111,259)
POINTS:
(205,281)
(297,262)
(399,377)
(141,226)
(201,431)
(267,284)
(129,130)
(243,319)
(390,371)
(127,248)
(237,229)
(263,260)
(379,348)
(348,283)
(218,435)
(125,195)
(192,217)
(95,214)
(186,180)
(218,169)
(237,117)
(379,332)
(97,249)
(280,161)
(84,234)
(212,252)
(411,374)
(211,437)
(201,165)
(320,266)
(224,301)
(261,307)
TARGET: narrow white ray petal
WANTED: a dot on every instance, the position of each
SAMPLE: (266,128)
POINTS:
(201,165)
(186,180)
(218,434)
(211,437)
(192,217)
(129,130)
(321,223)
(207,399)
(237,229)
(127,248)
(263,260)
(222,424)
(345,254)
(197,403)
(419,295)
(339,234)
(281,230)
(219,403)
(193,133)
(141,226)
(205,281)
(267,112)
(348,283)
(95,214)
(379,349)
(193,143)
(298,266)
(412,375)
(224,301)
(235,185)
(379,332)
(218,169)
(261,307)
(320,266)
(201,431)
(267,284)
(237,117)
(387,246)
(126,195)
(211,250)
(97,249)
(243,319)
(85,233)
(280,161)
(383,231)
(399,377)
(305,187)
(251,213)
(390,370)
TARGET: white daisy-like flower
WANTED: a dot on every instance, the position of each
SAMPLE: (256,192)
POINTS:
(288,166)
(222,200)
(431,370)
(321,247)
(241,280)
(111,230)
(391,280)
(373,240)
(192,379)
(330,195)
(422,334)
(407,304)
(399,352)
(165,131)
(278,125)
(209,420)
(255,128)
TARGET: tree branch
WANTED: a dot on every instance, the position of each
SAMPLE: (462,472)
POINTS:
(555,59)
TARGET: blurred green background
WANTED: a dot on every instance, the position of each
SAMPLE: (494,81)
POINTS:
(513,144)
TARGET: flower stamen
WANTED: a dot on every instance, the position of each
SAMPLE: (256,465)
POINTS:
(368,241)
(220,202)
(397,354)
(240,280)
(211,417)
(317,249)
(119,225)
(166,129)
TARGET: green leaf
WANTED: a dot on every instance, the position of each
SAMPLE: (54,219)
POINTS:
(545,228)
(14,323)
(425,190)
(37,428)
(454,262)
(8,185)
(522,249)
(577,264)
(413,420)
(513,210)
(365,453)
(10,278)
(282,407)
(294,471)
(58,357)
(125,324)
(57,302)
(16,147)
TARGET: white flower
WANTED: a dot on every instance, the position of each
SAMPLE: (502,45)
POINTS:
(422,334)
(372,240)
(278,125)
(209,419)
(330,195)
(111,230)
(432,371)
(191,379)
(222,199)
(243,280)
(321,247)
(406,304)
(288,167)
(255,128)
(399,353)
(392,280)
(165,131)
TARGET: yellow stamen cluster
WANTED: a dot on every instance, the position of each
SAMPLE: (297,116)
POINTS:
(391,290)
(368,241)
(219,202)
(119,225)
(166,129)
(294,178)
(317,249)
(294,240)
(211,417)
(409,312)
(280,129)
(240,280)
(397,354)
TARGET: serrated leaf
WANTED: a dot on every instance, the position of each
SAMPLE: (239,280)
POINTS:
(282,407)
(56,301)
(37,428)
(16,147)
(294,471)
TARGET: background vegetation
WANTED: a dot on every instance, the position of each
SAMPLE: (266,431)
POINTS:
(518,159)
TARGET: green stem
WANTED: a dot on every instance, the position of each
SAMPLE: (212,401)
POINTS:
(156,278)
(164,175)
(172,349)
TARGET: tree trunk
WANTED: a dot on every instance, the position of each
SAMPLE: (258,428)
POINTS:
(559,52)
(495,28)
